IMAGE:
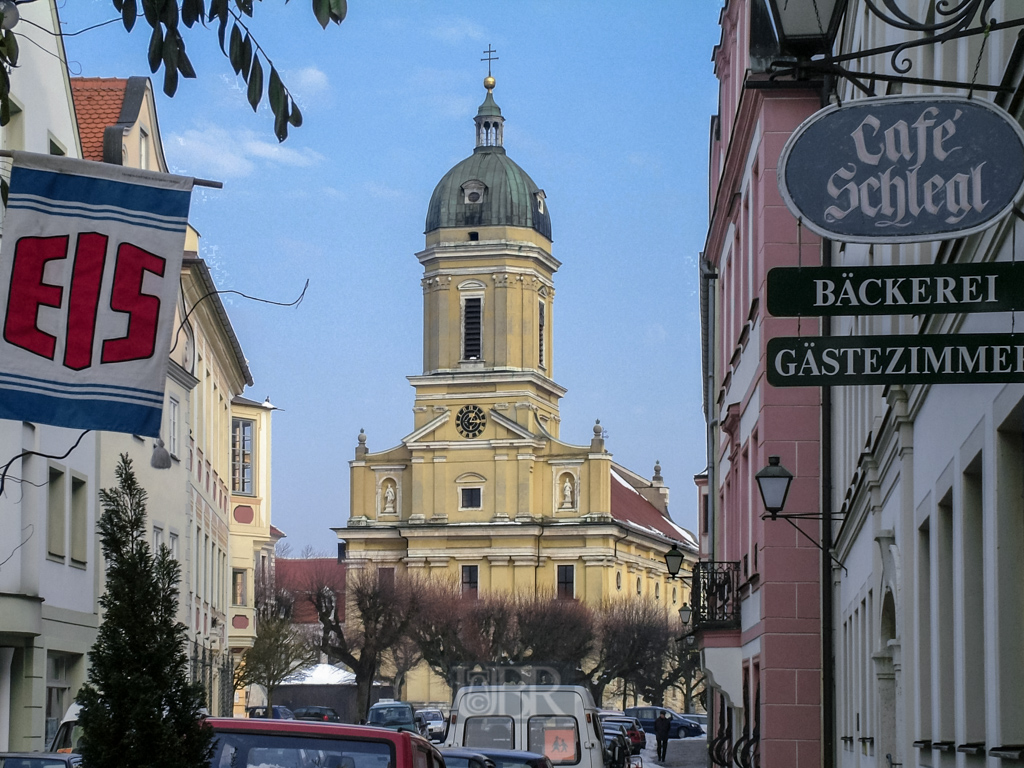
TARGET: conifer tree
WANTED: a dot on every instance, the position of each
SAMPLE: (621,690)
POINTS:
(138,707)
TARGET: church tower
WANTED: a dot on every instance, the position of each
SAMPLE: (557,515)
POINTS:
(483,490)
(488,292)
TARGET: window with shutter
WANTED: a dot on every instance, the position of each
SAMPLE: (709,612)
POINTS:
(472,332)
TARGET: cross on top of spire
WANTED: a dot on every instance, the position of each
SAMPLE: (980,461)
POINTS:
(489,58)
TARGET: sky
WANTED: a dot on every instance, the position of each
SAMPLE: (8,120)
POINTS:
(607,107)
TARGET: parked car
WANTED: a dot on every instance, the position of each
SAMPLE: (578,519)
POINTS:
(298,743)
(680,727)
(40,760)
(323,714)
(456,757)
(635,731)
(280,713)
(436,723)
(515,758)
(397,715)
(700,718)
(617,746)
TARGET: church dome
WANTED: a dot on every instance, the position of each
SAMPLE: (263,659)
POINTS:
(488,189)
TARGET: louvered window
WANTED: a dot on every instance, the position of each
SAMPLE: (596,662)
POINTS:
(472,331)
(540,333)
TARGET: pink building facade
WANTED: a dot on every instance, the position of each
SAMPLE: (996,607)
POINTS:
(757,592)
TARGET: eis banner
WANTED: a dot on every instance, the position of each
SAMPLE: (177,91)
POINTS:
(90,265)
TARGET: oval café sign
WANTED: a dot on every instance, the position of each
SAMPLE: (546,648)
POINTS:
(900,169)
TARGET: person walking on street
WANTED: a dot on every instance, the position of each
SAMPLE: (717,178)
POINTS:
(662,726)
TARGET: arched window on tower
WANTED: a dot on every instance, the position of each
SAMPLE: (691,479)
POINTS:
(472,295)
(540,333)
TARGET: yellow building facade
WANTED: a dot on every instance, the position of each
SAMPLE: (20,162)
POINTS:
(484,489)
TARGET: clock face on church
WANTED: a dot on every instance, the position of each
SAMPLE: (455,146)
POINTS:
(470,421)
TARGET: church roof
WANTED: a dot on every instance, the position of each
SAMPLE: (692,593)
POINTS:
(629,507)
(507,196)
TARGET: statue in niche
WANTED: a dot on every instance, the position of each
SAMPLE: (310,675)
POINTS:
(389,499)
(567,494)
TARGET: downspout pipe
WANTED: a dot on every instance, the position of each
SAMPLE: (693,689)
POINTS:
(828,661)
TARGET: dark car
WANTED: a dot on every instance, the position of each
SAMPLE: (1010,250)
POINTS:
(280,713)
(635,731)
(398,715)
(40,760)
(323,714)
(457,757)
(680,727)
(299,743)
(515,758)
(617,747)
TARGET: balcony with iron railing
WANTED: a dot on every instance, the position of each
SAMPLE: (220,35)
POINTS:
(715,595)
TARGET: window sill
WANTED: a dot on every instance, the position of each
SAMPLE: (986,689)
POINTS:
(80,564)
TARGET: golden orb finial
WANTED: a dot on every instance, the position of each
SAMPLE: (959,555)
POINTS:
(489,83)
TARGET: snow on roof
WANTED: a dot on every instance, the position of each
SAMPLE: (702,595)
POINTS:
(629,507)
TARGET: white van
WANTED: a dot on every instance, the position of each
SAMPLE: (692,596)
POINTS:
(559,721)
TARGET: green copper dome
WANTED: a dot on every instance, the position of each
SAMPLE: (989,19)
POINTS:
(487,189)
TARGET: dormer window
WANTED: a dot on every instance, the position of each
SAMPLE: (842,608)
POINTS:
(473,192)
(539,196)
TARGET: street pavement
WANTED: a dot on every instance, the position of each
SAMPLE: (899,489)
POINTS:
(682,753)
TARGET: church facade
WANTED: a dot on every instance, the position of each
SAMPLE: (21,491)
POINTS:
(483,488)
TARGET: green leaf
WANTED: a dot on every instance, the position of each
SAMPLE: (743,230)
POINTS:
(322,11)
(275,93)
(156,49)
(255,83)
(246,56)
(245,6)
(5,191)
(169,16)
(5,109)
(281,123)
(170,77)
(128,13)
(191,11)
(295,118)
(12,47)
(339,10)
(171,59)
(152,11)
(235,49)
(184,65)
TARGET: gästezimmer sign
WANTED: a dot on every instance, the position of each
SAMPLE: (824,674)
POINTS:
(903,168)
(815,361)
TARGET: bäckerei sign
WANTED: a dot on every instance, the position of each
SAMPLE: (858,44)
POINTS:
(900,169)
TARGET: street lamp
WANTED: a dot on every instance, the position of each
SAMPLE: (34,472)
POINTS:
(684,614)
(773,482)
(806,27)
(673,561)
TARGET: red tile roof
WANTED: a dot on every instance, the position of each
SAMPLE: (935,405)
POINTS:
(299,576)
(98,102)
(629,507)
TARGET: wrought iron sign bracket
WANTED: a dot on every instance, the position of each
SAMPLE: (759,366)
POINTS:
(789,519)
(954,26)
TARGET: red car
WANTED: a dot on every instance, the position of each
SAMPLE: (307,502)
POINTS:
(635,731)
(302,744)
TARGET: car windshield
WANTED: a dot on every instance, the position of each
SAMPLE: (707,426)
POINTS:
(431,715)
(31,762)
(456,762)
(390,715)
(499,763)
(260,750)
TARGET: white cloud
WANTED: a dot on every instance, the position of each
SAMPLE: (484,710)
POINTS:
(457,30)
(217,152)
(307,82)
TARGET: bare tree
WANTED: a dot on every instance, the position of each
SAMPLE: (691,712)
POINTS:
(437,628)
(277,653)
(631,636)
(358,630)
